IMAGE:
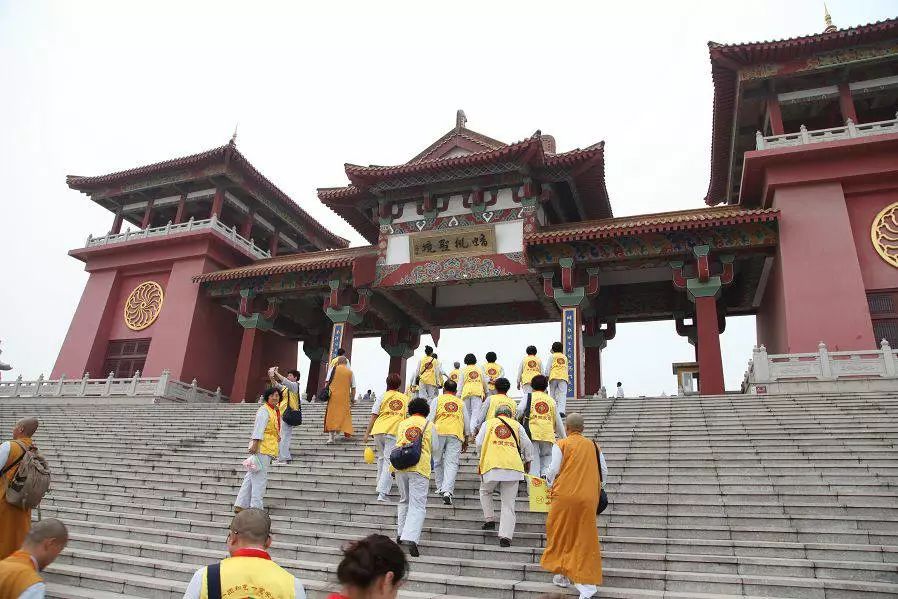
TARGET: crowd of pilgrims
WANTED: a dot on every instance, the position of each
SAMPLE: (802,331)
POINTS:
(445,413)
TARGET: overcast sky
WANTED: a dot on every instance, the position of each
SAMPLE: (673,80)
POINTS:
(94,87)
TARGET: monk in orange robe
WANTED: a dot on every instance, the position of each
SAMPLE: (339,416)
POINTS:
(14,521)
(338,418)
(572,537)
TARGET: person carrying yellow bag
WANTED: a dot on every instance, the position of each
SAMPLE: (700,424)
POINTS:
(384,423)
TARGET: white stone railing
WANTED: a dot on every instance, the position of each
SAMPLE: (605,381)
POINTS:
(169,229)
(804,136)
(162,386)
(821,366)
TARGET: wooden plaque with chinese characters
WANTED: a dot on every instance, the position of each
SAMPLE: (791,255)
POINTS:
(460,241)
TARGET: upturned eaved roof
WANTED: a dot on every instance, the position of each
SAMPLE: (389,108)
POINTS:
(233,160)
(727,59)
(699,218)
(328,259)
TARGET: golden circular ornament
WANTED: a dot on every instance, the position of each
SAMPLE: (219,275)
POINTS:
(143,305)
(884,234)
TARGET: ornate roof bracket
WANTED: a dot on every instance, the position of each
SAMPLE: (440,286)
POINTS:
(703,284)
(568,295)
(352,314)
(249,319)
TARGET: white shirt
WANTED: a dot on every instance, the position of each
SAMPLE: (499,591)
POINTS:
(555,465)
(619,392)
(261,423)
(503,474)
(4,454)
(36,591)
(196,586)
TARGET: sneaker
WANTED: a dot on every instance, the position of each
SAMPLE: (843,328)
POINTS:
(412,548)
(503,542)
(489,526)
(382,497)
(560,580)
(447,498)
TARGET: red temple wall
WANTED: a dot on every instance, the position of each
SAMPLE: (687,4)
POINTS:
(771,319)
(864,203)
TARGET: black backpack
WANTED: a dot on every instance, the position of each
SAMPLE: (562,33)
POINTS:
(291,416)
(525,419)
(406,456)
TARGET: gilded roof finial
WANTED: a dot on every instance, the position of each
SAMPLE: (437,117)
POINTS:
(233,141)
(828,19)
(460,119)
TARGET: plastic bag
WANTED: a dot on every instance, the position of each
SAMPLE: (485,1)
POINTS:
(369,455)
(252,464)
(538,490)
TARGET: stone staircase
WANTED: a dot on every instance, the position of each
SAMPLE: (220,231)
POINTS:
(716,496)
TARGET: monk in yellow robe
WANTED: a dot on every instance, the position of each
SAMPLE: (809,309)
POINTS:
(338,418)
(572,537)
(14,521)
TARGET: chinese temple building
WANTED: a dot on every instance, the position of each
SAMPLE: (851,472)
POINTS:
(226,274)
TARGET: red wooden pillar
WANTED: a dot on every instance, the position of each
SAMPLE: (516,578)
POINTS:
(846,103)
(273,243)
(398,364)
(593,376)
(316,357)
(246,229)
(217,203)
(249,365)
(710,364)
(182,206)
(147,216)
(775,114)
(117,222)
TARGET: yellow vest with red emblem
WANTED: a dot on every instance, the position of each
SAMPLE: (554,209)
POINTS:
(252,577)
(290,399)
(393,410)
(559,367)
(449,418)
(455,375)
(500,399)
(493,371)
(272,435)
(409,430)
(532,367)
(427,372)
(499,449)
(473,381)
(17,573)
(542,417)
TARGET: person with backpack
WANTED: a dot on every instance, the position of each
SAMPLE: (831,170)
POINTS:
(505,454)
(430,375)
(385,418)
(249,566)
(20,572)
(540,417)
(24,478)
(415,439)
(291,411)
(448,416)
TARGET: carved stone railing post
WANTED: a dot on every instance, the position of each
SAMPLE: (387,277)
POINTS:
(191,395)
(761,364)
(852,128)
(15,389)
(37,386)
(108,388)
(162,385)
(888,358)
(759,140)
(59,386)
(190,224)
(84,380)
(132,389)
(826,367)
(805,138)
(218,395)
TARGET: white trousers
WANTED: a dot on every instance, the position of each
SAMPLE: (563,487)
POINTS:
(508,491)
(428,391)
(446,453)
(558,391)
(412,505)
(525,389)
(253,488)
(383,445)
(542,458)
(472,405)
(284,446)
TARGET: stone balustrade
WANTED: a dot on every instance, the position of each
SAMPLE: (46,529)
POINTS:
(170,229)
(162,387)
(823,366)
(805,136)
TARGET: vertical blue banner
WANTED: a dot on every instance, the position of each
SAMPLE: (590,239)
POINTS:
(571,326)
(336,339)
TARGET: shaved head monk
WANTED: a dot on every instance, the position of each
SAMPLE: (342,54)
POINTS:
(14,521)
(249,566)
(20,572)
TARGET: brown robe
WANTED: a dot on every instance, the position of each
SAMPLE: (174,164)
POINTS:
(338,417)
(14,521)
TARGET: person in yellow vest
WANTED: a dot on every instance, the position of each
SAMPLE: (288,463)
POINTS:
(545,425)
(556,371)
(493,371)
(386,415)
(430,375)
(263,446)
(505,453)
(572,550)
(499,398)
(473,390)
(455,373)
(14,521)
(290,395)
(20,572)
(249,567)
(448,415)
(530,366)
(414,482)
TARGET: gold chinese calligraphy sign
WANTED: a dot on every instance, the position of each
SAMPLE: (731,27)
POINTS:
(460,241)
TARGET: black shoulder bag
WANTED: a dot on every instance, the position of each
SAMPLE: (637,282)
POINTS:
(603,497)
(525,419)
(290,416)
(325,393)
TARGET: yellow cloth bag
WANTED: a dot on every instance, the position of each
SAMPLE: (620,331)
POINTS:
(369,455)
(539,494)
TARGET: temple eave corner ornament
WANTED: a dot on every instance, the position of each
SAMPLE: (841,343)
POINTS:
(143,305)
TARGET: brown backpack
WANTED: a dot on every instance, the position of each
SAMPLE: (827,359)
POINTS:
(30,482)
